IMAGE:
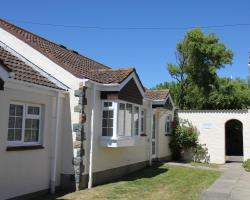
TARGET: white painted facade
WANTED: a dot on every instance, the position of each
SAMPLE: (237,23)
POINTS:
(28,171)
(211,128)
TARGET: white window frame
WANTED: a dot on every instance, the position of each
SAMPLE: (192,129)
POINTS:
(24,117)
(168,121)
(115,107)
(142,128)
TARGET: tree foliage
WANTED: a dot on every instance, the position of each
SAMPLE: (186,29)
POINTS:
(198,56)
(197,86)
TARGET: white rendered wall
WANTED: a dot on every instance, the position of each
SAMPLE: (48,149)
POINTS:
(211,126)
(163,140)
(28,171)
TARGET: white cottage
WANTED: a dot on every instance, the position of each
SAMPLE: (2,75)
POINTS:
(68,121)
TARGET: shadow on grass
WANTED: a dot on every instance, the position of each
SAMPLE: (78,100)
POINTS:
(149,172)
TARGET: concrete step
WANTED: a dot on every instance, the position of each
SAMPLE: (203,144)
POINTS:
(234,158)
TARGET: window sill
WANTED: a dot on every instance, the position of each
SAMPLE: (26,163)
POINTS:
(117,142)
(23,148)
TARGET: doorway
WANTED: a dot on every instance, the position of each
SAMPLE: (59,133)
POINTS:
(234,140)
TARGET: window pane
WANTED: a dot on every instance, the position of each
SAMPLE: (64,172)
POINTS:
(104,123)
(153,131)
(11,133)
(105,114)
(107,123)
(35,124)
(12,111)
(110,131)
(11,122)
(104,132)
(110,123)
(107,104)
(18,134)
(18,123)
(111,114)
(121,119)
(128,120)
(28,123)
(136,120)
(36,110)
(32,110)
(19,110)
(15,122)
(27,136)
(35,135)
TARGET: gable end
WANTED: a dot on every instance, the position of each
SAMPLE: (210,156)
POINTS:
(130,92)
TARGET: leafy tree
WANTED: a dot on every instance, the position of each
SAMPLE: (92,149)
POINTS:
(229,94)
(198,56)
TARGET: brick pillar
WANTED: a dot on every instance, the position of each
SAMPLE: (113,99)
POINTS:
(80,136)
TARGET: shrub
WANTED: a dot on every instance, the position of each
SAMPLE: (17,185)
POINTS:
(200,153)
(185,137)
(246,165)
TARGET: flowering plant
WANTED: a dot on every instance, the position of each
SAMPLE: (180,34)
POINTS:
(185,136)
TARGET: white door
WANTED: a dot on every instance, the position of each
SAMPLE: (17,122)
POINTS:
(154,137)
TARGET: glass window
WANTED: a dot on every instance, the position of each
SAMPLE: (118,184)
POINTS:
(24,128)
(107,119)
(136,120)
(142,121)
(168,125)
(15,122)
(121,120)
(128,119)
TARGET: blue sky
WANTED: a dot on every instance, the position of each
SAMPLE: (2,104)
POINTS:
(147,50)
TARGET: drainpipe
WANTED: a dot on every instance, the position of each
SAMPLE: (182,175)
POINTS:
(92,136)
(150,134)
(54,154)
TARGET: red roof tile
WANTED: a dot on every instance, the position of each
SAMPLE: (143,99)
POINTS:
(22,71)
(157,94)
(80,66)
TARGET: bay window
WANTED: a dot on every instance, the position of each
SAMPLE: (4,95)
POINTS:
(120,119)
(24,124)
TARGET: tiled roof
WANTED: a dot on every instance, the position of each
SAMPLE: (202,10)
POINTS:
(108,76)
(22,71)
(80,66)
(157,94)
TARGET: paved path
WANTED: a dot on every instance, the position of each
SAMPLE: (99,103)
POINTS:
(234,184)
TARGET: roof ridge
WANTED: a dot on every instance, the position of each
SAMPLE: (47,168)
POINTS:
(53,43)
(113,69)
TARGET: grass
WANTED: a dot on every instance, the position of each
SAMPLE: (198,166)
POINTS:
(210,165)
(158,182)
(246,165)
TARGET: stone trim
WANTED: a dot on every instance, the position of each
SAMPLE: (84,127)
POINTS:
(80,136)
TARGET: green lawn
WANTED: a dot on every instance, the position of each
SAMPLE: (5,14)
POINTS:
(159,182)
(210,165)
